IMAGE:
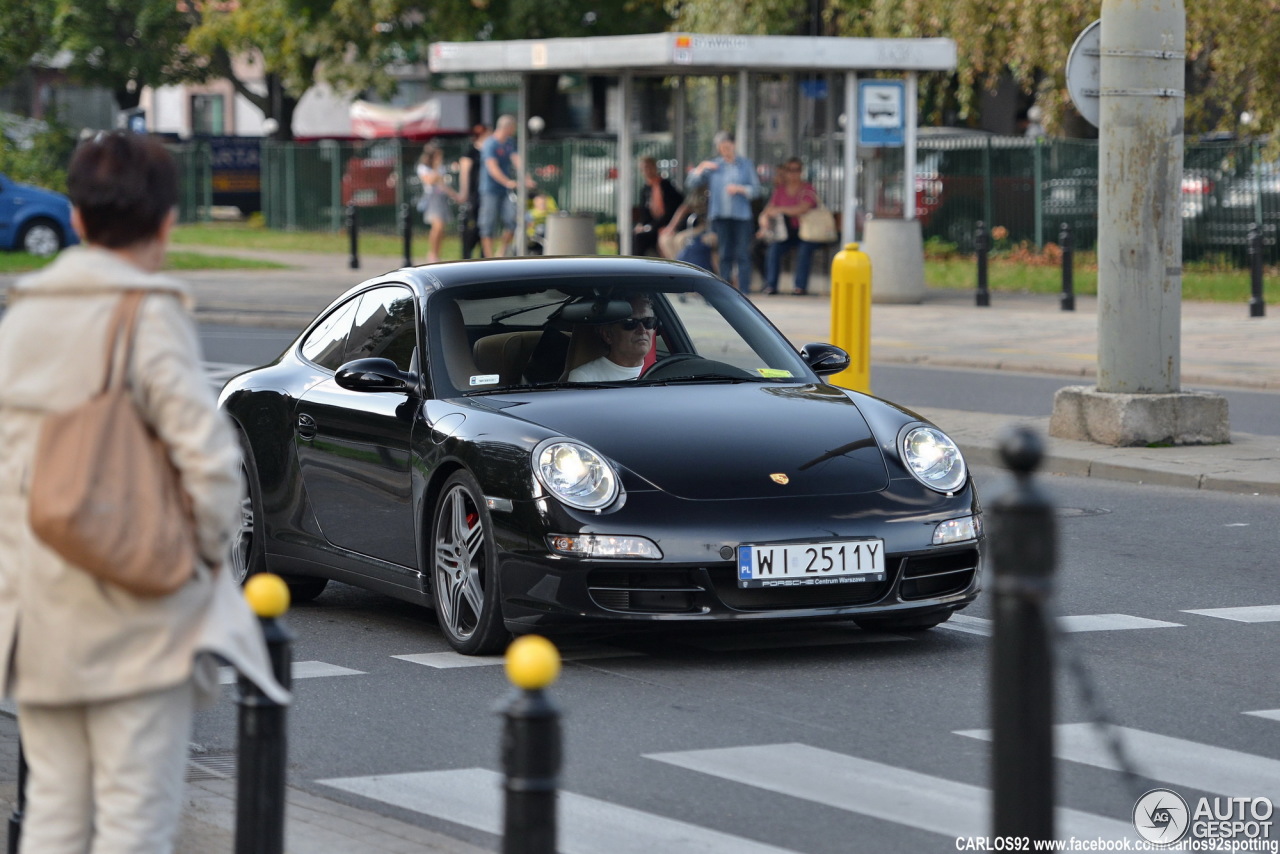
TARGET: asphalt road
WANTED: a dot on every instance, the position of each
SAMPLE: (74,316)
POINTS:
(825,739)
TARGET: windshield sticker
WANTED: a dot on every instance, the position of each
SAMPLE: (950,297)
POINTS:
(773,373)
(484,379)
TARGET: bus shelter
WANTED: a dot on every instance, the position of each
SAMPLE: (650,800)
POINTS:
(682,55)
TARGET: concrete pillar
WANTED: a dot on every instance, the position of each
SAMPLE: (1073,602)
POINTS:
(1138,398)
(896,250)
(1139,214)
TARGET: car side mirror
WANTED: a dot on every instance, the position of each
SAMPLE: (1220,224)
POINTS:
(825,359)
(373,374)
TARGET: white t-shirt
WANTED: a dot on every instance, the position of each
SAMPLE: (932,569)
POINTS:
(603,370)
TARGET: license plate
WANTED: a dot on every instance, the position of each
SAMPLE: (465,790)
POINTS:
(811,564)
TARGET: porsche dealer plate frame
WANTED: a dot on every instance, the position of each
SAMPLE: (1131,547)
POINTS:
(811,564)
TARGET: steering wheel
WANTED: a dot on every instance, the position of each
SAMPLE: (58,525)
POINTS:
(666,362)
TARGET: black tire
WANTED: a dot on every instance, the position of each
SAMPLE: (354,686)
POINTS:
(463,570)
(905,623)
(304,588)
(42,237)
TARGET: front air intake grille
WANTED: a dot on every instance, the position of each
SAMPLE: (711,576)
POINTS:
(724,580)
(645,591)
(927,576)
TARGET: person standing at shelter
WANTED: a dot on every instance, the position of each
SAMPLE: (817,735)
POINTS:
(732,183)
(469,191)
(659,201)
(792,197)
(106,681)
(500,163)
(436,194)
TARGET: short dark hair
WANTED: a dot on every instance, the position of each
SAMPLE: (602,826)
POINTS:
(124,185)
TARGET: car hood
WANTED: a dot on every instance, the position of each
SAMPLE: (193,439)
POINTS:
(705,442)
(29,194)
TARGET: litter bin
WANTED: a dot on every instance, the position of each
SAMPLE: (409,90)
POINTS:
(570,234)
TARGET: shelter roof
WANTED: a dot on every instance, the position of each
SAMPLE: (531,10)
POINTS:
(667,54)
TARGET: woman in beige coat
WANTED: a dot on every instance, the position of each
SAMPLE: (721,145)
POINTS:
(106,682)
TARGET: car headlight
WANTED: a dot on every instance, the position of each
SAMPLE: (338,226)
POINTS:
(575,474)
(933,458)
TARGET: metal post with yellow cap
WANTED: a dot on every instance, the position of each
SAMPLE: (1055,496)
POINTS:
(851,315)
(262,745)
(530,748)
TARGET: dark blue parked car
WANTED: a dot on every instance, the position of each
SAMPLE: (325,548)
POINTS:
(34,220)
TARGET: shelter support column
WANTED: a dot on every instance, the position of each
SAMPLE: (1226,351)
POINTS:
(626,166)
(849,219)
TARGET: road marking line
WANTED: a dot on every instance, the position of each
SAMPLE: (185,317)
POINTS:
(1109,623)
(301,670)
(1272,714)
(1247,614)
(786,640)
(449,660)
(968,625)
(1080,623)
(1172,760)
(872,789)
(472,797)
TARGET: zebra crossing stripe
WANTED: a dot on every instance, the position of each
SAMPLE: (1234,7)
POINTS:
(872,789)
(301,670)
(449,660)
(1080,623)
(1168,759)
(1270,714)
(1248,614)
(472,797)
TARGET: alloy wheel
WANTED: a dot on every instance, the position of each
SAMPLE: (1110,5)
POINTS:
(459,563)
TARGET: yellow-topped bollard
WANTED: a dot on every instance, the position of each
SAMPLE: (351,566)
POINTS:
(851,316)
(530,748)
(267,595)
(532,662)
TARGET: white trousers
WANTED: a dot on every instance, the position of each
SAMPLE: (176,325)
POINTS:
(106,777)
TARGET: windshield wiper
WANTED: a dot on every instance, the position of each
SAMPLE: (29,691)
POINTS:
(512,312)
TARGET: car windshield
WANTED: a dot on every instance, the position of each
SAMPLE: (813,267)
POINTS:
(614,332)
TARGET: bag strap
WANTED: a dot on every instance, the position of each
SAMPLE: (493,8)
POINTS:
(120,334)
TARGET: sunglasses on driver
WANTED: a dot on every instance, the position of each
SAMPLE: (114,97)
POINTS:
(631,323)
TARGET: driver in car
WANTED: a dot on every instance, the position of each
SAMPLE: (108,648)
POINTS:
(629,342)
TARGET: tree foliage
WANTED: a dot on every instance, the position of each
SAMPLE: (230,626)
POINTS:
(1233,54)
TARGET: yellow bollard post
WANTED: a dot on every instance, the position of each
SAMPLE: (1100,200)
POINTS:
(851,316)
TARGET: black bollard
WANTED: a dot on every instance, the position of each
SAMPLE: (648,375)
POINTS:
(1067,242)
(406,232)
(262,751)
(1023,551)
(530,749)
(1257,301)
(20,804)
(353,232)
(982,244)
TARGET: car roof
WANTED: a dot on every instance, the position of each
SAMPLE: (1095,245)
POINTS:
(449,275)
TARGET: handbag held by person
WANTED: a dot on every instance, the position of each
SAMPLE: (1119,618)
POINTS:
(104,494)
(818,225)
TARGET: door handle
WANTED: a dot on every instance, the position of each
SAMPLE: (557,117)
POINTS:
(306,427)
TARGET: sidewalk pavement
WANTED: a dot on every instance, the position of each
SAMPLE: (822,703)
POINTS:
(1221,346)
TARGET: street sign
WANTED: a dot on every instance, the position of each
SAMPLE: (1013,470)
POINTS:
(881,113)
(1084,73)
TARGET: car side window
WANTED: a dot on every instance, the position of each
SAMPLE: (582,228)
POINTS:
(385,326)
(326,344)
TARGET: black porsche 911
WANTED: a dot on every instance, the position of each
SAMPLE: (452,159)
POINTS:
(549,443)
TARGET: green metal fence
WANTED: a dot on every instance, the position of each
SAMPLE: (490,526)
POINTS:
(1027,187)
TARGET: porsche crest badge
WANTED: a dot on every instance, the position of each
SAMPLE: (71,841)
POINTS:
(780,478)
